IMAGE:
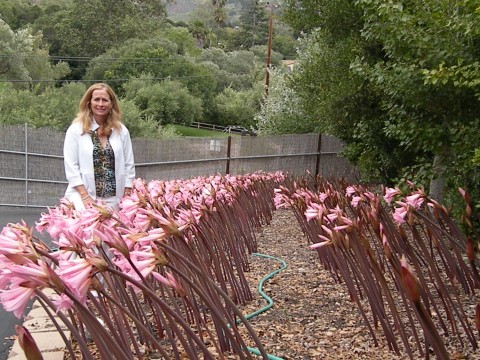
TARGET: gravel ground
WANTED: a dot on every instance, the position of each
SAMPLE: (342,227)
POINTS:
(312,317)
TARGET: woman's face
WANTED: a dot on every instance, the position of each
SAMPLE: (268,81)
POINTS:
(100,103)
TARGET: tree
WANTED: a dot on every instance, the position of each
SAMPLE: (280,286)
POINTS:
(54,107)
(238,107)
(203,13)
(234,69)
(281,112)
(398,83)
(219,12)
(260,52)
(18,13)
(24,61)
(143,126)
(161,55)
(74,36)
(254,26)
(167,102)
(182,38)
(340,102)
(208,23)
(199,32)
(436,117)
(52,13)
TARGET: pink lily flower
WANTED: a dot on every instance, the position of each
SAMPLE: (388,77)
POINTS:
(370,195)
(416,200)
(62,302)
(13,241)
(77,275)
(169,225)
(169,280)
(390,194)
(190,216)
(355,201)
(321,244)
(57,221)
(333,215)
(350,191)
(343,220)
(340,227)
(71,243)
(400,213)
(130,205)
(145,260)
(36,274)
(157,234)
(5,273)
(322,196)
(315,211)
(112,239)
(17,297)
(281,202)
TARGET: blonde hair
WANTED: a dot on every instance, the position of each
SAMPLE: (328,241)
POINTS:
(84,114)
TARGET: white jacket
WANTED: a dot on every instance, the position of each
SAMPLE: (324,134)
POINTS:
(78,159)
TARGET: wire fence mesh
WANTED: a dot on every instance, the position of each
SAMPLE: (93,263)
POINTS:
(32,172)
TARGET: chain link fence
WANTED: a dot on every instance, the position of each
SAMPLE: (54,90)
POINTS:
(32,172)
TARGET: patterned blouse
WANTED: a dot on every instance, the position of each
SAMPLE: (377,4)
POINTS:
(103,167)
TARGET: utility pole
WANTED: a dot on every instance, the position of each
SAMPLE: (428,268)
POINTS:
(269,51)
(269,46)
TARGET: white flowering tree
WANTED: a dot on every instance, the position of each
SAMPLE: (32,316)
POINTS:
(281,112)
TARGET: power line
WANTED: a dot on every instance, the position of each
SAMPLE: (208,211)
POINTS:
(116,80)
(82,58)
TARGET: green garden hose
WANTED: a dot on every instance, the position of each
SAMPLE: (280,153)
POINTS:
(267,298)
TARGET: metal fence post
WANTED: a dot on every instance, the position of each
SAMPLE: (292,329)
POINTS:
(319,152)
(26,163)
(229,148)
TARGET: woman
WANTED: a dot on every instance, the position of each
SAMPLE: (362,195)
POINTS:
(98,151)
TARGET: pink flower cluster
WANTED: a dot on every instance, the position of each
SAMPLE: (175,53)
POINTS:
(322,207)
(328,207)
(91,241)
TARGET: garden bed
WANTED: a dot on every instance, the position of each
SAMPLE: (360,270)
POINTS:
(312,316)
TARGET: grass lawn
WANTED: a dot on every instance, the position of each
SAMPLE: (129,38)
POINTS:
(190,131)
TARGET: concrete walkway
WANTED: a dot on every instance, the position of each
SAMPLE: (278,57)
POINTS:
(45,334)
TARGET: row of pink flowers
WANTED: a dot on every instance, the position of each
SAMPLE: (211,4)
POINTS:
(89,241)
(374,239)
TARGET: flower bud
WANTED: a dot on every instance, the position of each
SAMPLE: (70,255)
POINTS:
(161,257)
(468,211)
(104,212)
(98,263)
(55,281)
(410,283)
(27,343)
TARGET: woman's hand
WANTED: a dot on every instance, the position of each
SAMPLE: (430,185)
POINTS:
(87,200)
